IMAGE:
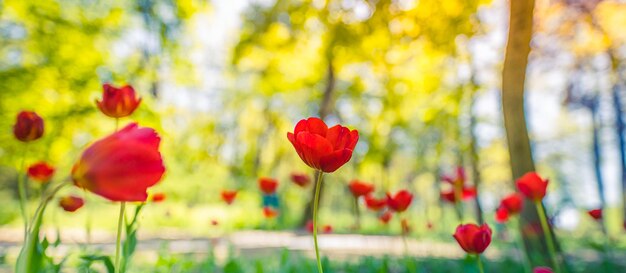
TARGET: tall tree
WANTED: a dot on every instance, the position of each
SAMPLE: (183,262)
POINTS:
(513,84)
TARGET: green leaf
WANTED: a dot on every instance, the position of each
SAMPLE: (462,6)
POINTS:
(31,257)
(106,260)
(233,267)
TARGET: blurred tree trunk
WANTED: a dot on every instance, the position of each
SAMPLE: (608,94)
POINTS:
(474,158)
(616,79)
(324,110)
(619,120)
(597,157)
(513,78)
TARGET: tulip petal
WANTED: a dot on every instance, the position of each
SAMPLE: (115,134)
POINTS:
(316,126)
(312,148)
(354,138)
(336,159)
(122,166)
(338,136)
(127,174)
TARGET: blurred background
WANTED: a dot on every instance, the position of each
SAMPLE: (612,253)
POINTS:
(224,81)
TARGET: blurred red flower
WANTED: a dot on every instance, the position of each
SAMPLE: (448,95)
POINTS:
(502,215)
(40,172)
(509,206)
(229,196)
(359,188)
(158,197)
(513,203)
(268,185)
(596,214)
(375,204)
(270,212)
(458,179)
(400,201)
(28,126)
(322,148)
(542,269)
(118,102)
(71,203)
(300,179)
(122,166)
(327,229)
(450,196)
(472,238)
(385,217)
(532,186)
(309,226)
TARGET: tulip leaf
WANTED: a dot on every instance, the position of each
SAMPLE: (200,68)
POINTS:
(88,260)
(31,257)
(233,267)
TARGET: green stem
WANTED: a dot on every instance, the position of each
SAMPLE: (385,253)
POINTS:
(458,199)
(21,189)
(406,245)
(44,202)
(607,247)
(480,264)
(119,237)
(521,249)
(549,240)
(316,202)
(357,214)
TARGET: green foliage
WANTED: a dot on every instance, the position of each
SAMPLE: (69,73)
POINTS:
(32,257)
(130,241)
(88,260)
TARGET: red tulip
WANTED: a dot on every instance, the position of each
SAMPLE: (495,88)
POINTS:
(509,206)
(400,201)
(40,172)
(502,215)
(532,186)
(118,102)
(71,203)
(268,185)
(309,226)
(158,197)
(327,229)
(472,238)
(300,179)
(542,269)
(596,214)
(229,196)
(385,217)
(458,179)
(122,166)
(359,188)
(375,204)
(513,203)
(450,196)
(28,126)
(270,212)
(322,148)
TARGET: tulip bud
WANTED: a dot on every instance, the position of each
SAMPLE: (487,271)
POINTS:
(118,102)
(28,127)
